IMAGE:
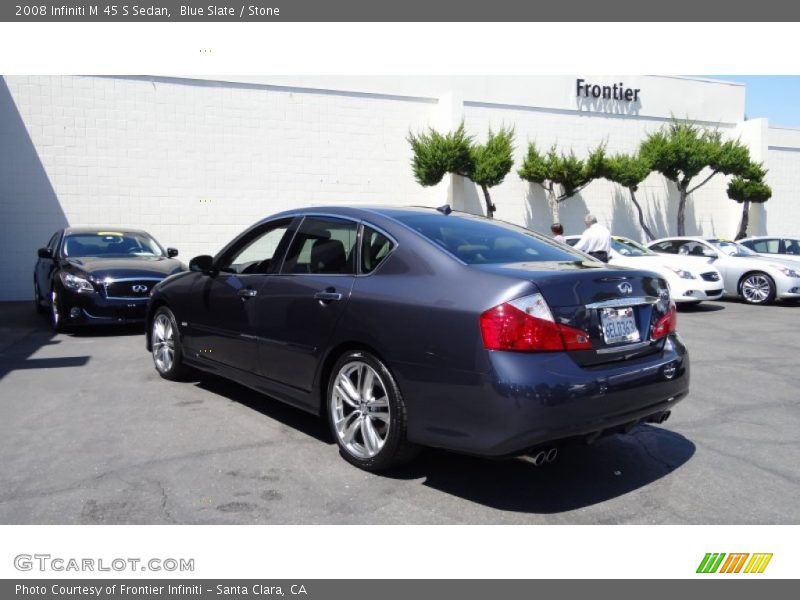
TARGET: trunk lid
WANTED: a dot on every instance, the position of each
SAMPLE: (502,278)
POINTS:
(617,307)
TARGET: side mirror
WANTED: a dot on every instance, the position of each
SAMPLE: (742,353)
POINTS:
(203,264)
(44,253)
(710,254)
(172,252)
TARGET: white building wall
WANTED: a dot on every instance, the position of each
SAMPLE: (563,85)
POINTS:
(192,162)
(196,161)
(781,213)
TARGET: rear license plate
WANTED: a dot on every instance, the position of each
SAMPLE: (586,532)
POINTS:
(619,325)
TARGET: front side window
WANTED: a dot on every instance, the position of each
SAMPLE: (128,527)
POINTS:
(477,241)
(323,245)
(375,247)
(261,252)
(791,246)
(111,244)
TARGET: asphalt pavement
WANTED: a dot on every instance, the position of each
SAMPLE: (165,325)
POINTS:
(89,433)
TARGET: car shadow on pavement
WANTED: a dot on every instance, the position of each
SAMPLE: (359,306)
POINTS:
(108,331)
(703,307)
(300,420)
(581,476)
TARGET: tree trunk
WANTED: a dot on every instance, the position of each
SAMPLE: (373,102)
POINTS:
(490,208)
(646,229)
(745,221)
(555,206)
(682,211)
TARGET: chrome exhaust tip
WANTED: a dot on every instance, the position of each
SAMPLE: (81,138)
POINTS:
(551,455)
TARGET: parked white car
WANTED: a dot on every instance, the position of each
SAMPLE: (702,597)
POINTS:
(689,282)
(784,248)
(755,278)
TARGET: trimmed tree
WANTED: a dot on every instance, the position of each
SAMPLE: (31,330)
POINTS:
(746,189)
(491,162)
(561,176)
(629,171)
(436,154)
(681,151)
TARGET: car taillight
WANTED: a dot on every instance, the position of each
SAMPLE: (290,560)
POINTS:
(527,325)
(666,324)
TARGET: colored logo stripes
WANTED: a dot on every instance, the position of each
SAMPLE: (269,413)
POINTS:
(734,563)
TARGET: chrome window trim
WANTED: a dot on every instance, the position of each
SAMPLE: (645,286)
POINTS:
(384,233)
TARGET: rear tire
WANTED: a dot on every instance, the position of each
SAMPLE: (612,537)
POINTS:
(367,414)
(757,288)
(166,346)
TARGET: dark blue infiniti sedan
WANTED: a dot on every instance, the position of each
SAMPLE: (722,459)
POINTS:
(411,327)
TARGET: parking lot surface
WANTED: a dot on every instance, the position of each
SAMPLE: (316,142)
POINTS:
(89,433)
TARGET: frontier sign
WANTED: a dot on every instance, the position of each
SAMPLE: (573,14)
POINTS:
(617,91)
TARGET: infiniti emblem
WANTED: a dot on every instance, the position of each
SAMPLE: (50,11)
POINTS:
(625,287)
(139,289)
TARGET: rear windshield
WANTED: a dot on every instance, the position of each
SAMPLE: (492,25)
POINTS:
(629,248)
(480,241)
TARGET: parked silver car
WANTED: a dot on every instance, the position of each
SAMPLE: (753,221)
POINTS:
(784,248)
(756,279)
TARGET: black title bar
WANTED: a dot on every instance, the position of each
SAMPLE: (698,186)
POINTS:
(402,11)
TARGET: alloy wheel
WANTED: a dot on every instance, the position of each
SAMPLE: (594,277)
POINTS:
(756,288)
(360,409)
(163,342)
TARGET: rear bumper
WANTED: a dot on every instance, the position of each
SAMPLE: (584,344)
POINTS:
(528,400)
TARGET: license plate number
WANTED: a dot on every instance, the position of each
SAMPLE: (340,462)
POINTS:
(619,325)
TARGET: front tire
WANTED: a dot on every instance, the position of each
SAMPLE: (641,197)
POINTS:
(757,288)
(166,346)
(367,414)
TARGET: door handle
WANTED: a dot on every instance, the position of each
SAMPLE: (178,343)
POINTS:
(247,293)
(327,296)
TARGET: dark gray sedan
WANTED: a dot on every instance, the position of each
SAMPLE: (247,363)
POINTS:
(412,327)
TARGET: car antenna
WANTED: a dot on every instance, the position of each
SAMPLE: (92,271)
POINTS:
(444,209)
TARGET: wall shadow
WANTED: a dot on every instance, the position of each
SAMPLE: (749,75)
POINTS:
(29,206)
(22,334)
(538,216)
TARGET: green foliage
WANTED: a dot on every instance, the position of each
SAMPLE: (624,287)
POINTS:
(436,154)
(750,186)
(566,170)
(680,150)
(627,170)
(492,161)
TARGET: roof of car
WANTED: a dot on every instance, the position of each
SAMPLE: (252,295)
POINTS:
(770,237)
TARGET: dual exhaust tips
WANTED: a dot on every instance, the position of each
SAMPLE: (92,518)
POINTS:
(545,455)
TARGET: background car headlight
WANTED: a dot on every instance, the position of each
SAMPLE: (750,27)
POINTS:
(681,273)
(75,283)
(787,271)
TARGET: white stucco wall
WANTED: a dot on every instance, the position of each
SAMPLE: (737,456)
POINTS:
(196,161)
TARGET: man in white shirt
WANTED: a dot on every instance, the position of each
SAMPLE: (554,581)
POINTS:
(596,240)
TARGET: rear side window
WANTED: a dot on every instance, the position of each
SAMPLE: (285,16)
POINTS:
(791,246)
(478,242)
(375,247)
(323,245)
(767,246)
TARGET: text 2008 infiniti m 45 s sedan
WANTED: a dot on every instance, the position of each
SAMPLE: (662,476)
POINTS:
(415,327)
